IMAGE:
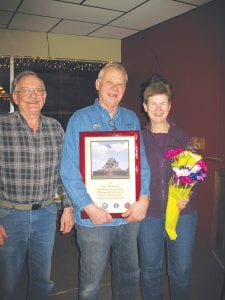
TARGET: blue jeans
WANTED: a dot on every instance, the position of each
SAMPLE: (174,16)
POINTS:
(95,244)
(31,235)
(151,240)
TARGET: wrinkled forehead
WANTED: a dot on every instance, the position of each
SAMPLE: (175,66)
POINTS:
(114,74)
(29,80)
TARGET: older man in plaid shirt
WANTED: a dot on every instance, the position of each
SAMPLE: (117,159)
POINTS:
(30,151)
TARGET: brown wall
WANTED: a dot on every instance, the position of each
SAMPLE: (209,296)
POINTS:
(188,51)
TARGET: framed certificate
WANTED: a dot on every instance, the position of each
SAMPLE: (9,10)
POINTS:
(110,167)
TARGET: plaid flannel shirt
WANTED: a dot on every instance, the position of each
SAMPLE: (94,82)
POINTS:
(29,163)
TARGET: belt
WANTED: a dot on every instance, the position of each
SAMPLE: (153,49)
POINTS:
(22,206)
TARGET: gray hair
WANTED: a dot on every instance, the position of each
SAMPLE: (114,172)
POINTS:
(116,66)
(23,74)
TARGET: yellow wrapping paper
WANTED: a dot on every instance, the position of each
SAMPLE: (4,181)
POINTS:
(175,194)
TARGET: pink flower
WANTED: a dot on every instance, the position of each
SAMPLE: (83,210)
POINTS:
(203,166)
(173,152)
(186,180)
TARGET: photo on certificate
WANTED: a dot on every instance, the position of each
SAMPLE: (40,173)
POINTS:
(110,159)
(110,167)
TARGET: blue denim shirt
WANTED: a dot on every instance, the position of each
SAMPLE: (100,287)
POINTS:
(94,118)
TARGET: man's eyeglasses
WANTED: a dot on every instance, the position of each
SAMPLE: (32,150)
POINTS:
(29,92)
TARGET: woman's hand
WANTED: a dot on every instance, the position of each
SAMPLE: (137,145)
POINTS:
(181,204)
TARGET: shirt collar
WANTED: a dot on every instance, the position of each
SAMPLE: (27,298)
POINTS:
(23,121)
(105,111)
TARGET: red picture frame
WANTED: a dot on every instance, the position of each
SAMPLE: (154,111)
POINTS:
(110,168)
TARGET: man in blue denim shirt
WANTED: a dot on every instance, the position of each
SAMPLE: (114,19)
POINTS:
(100,233)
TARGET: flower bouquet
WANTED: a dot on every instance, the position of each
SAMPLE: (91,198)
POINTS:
(188,168)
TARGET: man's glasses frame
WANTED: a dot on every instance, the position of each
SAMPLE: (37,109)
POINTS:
(28,92)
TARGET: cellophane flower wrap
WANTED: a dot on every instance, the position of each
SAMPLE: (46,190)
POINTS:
(188,168)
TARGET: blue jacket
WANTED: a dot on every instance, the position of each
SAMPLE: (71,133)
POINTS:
(94,118)
(160,167)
